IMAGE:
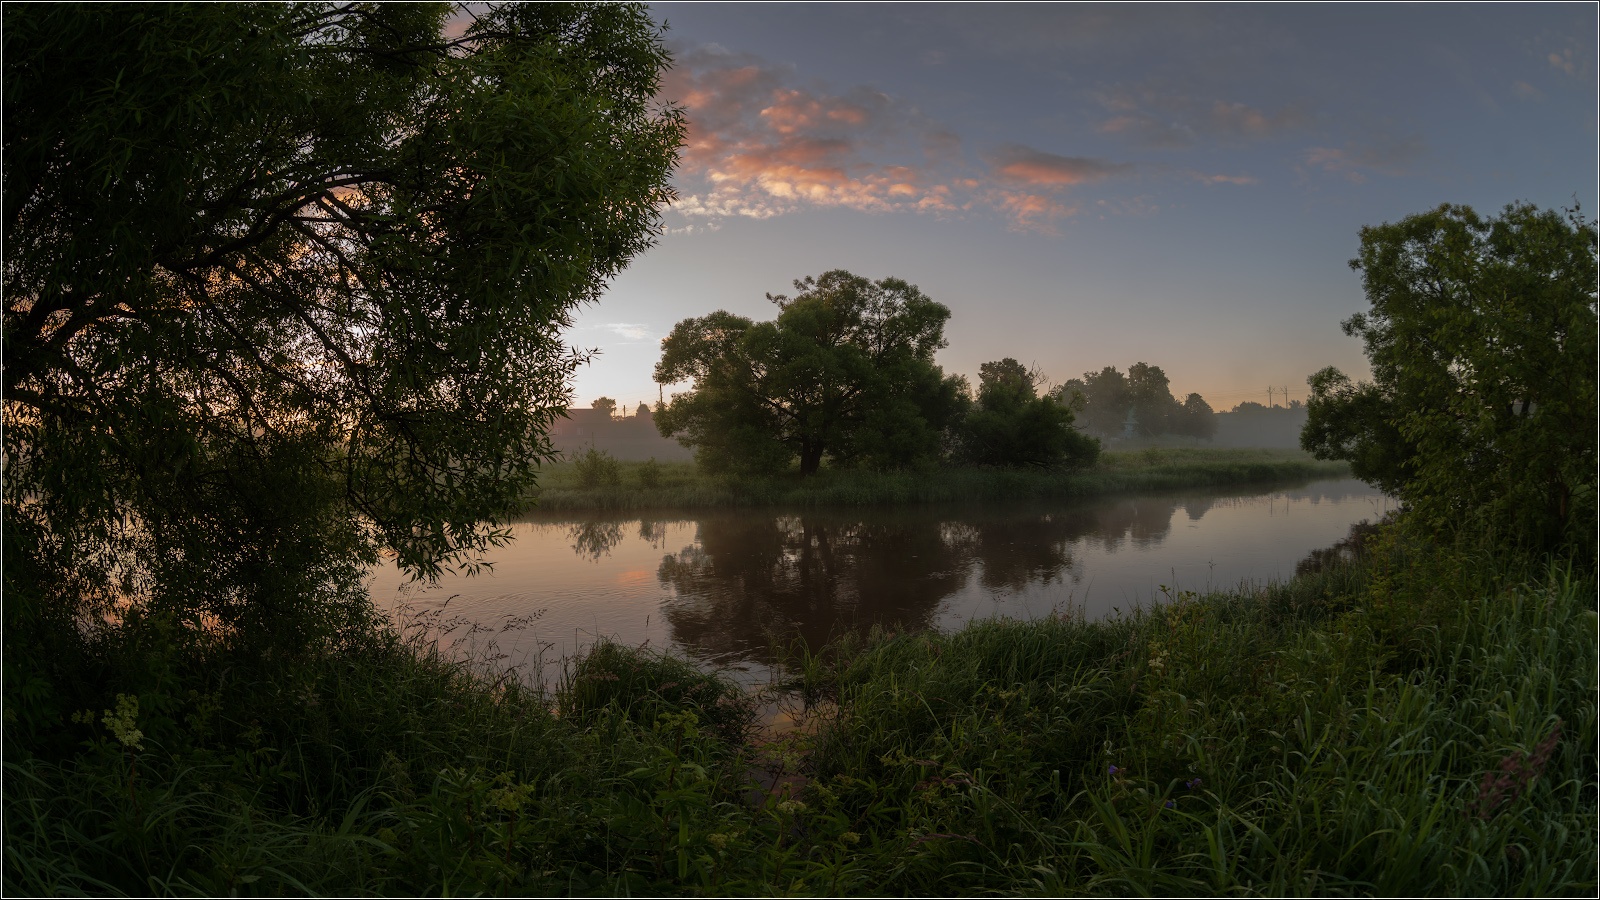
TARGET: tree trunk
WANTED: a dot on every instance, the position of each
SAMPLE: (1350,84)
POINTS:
(810,458)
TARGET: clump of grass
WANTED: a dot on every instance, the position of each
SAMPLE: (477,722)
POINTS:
(643,686)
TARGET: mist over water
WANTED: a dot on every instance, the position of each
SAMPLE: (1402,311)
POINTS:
(726,586)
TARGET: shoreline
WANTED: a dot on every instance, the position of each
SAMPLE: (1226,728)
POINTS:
(683,486)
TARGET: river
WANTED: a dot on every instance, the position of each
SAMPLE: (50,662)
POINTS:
(725,586)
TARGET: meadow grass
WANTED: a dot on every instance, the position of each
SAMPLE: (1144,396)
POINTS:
(681,485)
(1417,721)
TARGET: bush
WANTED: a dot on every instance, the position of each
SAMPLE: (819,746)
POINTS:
(597,468)
(650,473)
(643,686)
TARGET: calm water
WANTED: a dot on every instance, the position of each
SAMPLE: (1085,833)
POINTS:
(723,586)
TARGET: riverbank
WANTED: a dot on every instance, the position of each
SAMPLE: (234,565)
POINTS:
(1418,721)
(682,486)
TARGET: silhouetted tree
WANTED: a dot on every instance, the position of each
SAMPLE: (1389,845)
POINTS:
(285,286)
(1150,396)
(1009,424)
(845,370)
(1106,400)
(1195,418)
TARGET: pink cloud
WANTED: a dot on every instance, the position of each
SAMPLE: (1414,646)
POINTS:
(1026,165)
(760,145)
(1225,179)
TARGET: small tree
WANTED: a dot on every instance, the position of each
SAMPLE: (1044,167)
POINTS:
(605,405)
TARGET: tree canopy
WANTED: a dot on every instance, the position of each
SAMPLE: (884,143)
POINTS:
(845,370)
(1009,424)
(1108,401)
(284,284)
(1481,335)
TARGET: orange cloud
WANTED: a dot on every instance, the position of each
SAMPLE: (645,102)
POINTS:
(759,146)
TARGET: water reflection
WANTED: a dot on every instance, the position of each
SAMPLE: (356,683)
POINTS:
(748,583)
(729,585)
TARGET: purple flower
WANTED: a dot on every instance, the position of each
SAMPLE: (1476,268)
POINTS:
(1170,804)
(1112,770)
(1191,785)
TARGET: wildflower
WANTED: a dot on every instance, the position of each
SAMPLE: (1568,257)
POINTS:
(788,807)
(1112,770)
(850,837)
(123,723)
(719,841)
(1192,784)
(1170,804)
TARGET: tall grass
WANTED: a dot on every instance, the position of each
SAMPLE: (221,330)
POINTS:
(682,485)
(1420,721)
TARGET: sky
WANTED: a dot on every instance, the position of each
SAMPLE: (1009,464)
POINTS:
(1093,185)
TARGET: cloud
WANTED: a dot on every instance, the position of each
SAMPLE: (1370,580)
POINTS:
(1526,91)
(761,145)
(1224,179)
(1155,117)
(1563,60)
(628,330)
(1032,212)
(1018,164)
(1355,161)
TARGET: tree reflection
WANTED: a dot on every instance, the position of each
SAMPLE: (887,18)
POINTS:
(593,540)
(754,581)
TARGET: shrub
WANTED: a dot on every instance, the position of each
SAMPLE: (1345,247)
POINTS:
(650,473)
(597,468)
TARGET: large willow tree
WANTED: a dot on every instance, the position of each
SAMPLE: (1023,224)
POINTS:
(284,287)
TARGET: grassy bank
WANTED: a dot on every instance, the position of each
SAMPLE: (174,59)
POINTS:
(681,485)
(1420,722)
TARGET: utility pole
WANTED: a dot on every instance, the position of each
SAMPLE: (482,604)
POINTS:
(1269,396)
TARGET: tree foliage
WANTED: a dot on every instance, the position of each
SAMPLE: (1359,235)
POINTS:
(1009,424)
(1108,401)
(1194,418)
(1481,335)
(1102,399)
(1150,395)
(845,370)
(284,285)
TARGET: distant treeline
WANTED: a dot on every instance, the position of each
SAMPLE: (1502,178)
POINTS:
(1138,404)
